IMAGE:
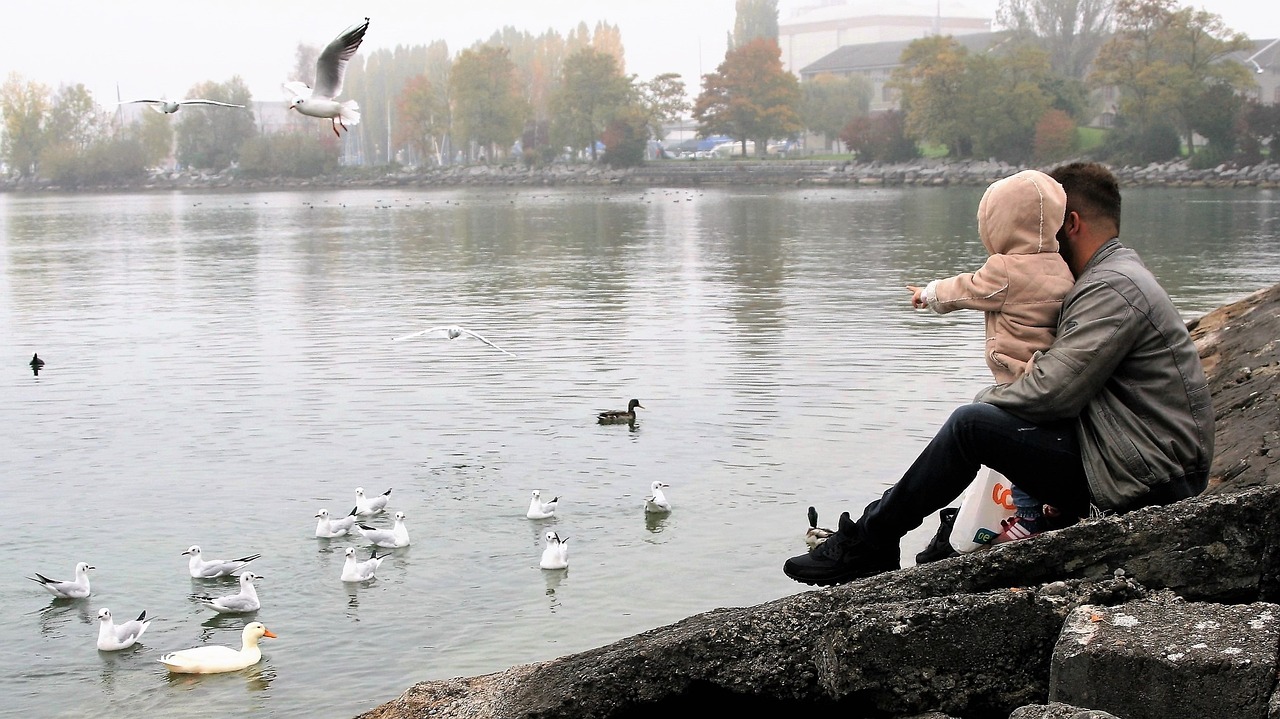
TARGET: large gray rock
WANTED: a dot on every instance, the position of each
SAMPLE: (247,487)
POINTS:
(1058,710)
(935,637)
(1178,660)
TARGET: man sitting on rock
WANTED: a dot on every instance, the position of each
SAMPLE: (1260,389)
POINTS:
(1114,416)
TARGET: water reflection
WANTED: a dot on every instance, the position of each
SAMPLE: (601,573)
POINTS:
(353,598)
(55,618)
(224,624)
(257,678)
(655,522)
(553,579)
(116,662)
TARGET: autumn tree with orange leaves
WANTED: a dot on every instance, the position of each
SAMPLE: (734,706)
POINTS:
(749,97)
(422,118)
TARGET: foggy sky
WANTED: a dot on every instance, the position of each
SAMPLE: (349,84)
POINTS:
(151,48)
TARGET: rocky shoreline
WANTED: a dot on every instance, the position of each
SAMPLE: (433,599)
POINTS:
(683,173)
(1164,613)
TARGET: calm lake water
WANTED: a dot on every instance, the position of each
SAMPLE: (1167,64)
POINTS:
(221,366)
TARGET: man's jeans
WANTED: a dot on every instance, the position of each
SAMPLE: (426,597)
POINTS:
(1042,459)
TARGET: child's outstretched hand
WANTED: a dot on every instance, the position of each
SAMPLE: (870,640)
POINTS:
(917,297)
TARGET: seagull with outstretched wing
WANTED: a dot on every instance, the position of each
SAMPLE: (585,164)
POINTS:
(331,66)
(168,107)
(452,332)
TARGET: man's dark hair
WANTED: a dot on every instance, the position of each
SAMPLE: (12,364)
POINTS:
(1092,191)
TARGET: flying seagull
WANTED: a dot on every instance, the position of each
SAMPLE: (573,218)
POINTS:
(319,101)
(169,107)
(453,332)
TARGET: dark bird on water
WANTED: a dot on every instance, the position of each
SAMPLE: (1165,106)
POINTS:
(816,535)
(36,363)
(618,416)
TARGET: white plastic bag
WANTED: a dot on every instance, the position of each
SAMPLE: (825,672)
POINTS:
(988,500)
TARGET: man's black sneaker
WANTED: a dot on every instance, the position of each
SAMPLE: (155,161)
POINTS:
(844,557)
(940,546)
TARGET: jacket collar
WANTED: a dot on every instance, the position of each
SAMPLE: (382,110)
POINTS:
(1108,248)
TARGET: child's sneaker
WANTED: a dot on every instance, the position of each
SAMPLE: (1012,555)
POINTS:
(1015,528)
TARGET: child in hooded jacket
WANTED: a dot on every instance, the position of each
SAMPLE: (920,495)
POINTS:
(1019,288)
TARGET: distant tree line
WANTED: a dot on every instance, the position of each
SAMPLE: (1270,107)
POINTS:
(1167,70)
(552,97)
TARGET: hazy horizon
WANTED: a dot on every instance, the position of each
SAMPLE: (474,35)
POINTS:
(153,48)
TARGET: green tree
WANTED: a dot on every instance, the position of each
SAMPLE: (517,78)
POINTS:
(210,137)
(935,94)
(749,97)
(74,118)
(1218,116)
(488,106)
(105,161)
(24,106)
(754,19)
(1129,143)
(984,104)
(289,154)
(1071,31)
(1007,103)
(664,101)
(592,94)
(155,134)
(829,102)
(1164,59)
(1262,128)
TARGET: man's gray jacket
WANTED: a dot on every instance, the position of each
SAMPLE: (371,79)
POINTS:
(1124,366)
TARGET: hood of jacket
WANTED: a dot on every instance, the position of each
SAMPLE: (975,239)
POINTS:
(1021,214)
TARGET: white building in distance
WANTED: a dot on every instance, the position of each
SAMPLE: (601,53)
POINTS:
(815,31)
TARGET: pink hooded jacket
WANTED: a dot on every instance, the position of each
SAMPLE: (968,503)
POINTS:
(1022,283)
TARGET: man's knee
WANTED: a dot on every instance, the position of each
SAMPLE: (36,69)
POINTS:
(974,412)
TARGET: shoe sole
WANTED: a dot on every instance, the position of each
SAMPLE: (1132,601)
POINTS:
(842,579)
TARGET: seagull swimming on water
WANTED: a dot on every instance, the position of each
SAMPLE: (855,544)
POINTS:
(168,107)
(539,509)
(114,637)
(246,600)
(201,568)
(657,502)
(356,571)
(77,588)
(328,528)
(319,101)
(555,555)
(453,332)
(394,538)
(370,507)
